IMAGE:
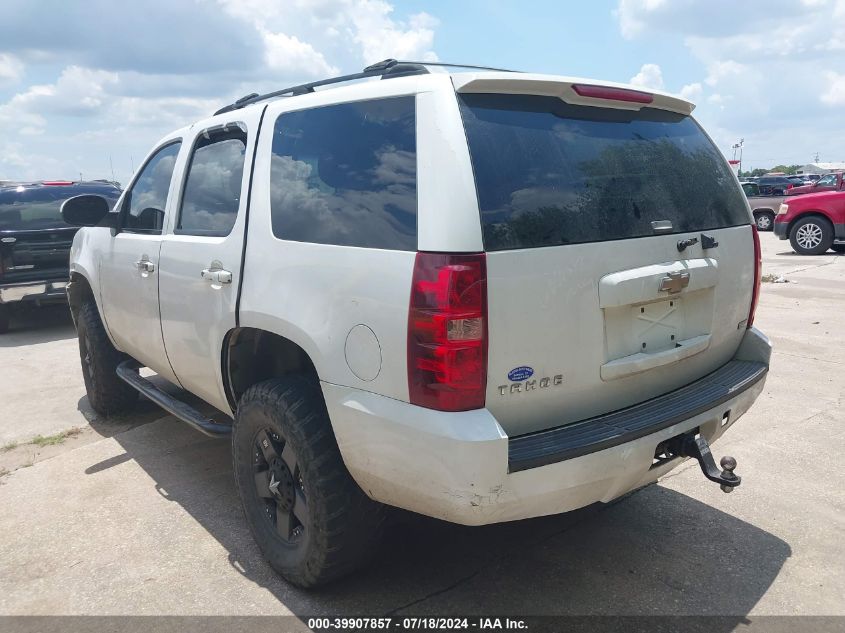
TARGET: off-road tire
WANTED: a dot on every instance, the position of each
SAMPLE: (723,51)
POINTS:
(4,319)
(811,235)
(343,526)
(107,394)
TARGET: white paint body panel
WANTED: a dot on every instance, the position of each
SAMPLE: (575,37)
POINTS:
(567,310)
(196,314)
(454,466)
(130,297)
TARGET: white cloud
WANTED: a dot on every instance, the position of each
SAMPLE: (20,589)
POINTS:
(381,37)
(630,14)
(692,92)
(765,66)
(104,90)
(78,91)
(11,68)
(650,76)
(288,54)
(835,94)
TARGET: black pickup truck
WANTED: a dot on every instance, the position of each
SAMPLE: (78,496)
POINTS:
(35,242)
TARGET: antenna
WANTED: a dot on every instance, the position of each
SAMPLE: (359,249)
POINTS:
(816,158)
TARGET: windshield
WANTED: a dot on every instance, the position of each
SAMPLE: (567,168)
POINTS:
(550,173)
(26,209)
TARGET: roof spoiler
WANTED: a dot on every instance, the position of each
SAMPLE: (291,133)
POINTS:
(571,90)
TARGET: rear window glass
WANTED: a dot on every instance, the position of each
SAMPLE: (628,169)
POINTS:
(32,208)
(550,173)
(347,174)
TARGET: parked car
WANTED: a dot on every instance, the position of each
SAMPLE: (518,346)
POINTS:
(457,293)
(35,241)
(764,208)
(775,185)
(829,182)
(813,223)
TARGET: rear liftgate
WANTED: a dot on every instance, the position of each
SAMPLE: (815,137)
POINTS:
(695,446)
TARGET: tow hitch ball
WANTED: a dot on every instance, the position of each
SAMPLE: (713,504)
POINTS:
(697,447)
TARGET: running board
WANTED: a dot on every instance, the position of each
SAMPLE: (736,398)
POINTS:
(127,371)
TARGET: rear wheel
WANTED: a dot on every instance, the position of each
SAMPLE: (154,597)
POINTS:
(310,519)
(811,236)
(4,319)
(764,220)
(107,394)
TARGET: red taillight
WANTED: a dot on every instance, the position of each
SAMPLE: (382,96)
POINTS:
(447,332)
(57,183)
(758,270)
(613,94)
(788,187)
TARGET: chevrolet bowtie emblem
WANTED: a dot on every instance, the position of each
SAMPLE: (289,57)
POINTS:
(674,282)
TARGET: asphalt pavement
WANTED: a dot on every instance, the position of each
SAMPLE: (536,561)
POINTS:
(140,516)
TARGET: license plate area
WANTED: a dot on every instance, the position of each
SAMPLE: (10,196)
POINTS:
(657,326)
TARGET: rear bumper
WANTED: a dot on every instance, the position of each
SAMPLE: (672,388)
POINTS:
(33,291)
(462,467)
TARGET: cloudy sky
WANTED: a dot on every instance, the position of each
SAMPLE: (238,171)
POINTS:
(88,86)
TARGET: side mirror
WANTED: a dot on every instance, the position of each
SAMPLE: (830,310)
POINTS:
(85,210)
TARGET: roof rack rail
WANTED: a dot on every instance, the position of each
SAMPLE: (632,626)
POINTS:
(386,69)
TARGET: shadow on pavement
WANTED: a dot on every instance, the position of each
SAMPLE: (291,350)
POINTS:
(31,325)
(655,552)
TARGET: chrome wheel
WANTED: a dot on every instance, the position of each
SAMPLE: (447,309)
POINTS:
(764,222)
(808,235)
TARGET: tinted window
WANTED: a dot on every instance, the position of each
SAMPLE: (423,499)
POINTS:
(213,187)
(550,173)
(146,201)
(346,174)
(29,208)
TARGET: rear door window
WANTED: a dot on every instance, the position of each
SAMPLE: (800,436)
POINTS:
(548,173)
(346,174)
(212,192)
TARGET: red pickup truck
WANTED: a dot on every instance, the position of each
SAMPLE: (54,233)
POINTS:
(829,182)
(813,223)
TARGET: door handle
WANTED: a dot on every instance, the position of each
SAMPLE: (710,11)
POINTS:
(145,266)
(217,276)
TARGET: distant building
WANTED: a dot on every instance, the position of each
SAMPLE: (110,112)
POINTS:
(820,168)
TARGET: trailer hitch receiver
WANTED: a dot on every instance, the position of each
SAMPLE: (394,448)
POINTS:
(698,448)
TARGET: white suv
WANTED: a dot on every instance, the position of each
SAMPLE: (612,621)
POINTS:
(477,295)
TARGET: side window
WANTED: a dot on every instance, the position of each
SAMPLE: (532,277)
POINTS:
(212,192)
(346,174)
(145,203)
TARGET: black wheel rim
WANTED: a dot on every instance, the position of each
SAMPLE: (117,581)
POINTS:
(279,485)
(88,360)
